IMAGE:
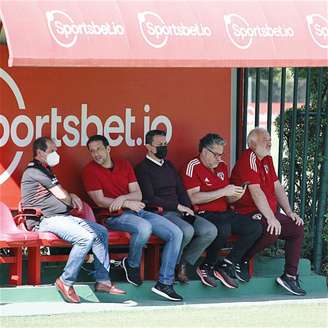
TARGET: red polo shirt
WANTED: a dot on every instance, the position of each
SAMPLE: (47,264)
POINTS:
(195,174)
(250,168)
(113,182)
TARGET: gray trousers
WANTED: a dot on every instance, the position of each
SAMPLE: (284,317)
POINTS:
(196,237)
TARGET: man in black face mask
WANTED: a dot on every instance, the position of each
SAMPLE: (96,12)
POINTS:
(161,186)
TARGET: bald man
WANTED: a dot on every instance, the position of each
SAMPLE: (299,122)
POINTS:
(260,202)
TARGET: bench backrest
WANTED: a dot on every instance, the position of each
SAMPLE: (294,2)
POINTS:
(7,223)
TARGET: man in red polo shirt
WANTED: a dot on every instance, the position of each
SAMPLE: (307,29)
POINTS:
(112,184)
(260,202)
(206,179)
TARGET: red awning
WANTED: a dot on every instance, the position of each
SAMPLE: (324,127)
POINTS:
(166,33)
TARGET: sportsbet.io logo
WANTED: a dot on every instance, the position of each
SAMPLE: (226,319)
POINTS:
(242,34)
(318,28)
(71,130)
(156,32)
(65,31)
(6,129)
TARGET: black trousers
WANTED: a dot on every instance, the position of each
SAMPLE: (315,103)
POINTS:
(228,223)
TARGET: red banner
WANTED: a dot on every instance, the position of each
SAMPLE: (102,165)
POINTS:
(166,33)
(70,104)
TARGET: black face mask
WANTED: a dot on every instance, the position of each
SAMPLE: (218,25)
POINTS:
(161,152)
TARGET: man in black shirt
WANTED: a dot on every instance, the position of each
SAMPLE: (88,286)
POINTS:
(40,188)
(161,186)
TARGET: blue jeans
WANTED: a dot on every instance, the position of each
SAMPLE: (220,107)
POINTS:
(141,225)
(83,235)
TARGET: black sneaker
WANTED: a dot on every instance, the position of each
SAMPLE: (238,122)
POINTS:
(166,291)
(132,274)
(226,273)
(205,273)
(242,271)
(291,284)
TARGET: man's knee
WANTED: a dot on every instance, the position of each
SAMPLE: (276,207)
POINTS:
(299,231)
(143,230)
(269,238)
(188,233)
(175,233)
(208,232)
(87,239)
(257,229)
(224,231)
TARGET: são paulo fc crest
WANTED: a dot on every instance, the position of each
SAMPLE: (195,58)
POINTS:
(266,168)
(257,216)
(220,175)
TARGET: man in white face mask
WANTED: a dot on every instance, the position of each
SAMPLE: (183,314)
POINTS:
(40,189)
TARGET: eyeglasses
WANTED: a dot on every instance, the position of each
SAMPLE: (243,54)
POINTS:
(216,155)
(162,144)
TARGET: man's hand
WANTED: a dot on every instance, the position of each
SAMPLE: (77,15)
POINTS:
(134,205)
(185,209)
(76,202)
(116,204)
(296,218)
(233,191)
(274,227)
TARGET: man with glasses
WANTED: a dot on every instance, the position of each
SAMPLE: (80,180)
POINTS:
(161,185)
(260,203)
(207,182)
(112,184)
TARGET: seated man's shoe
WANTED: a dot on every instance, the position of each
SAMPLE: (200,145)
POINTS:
(291,284)
(242,271)
(132,274)
(205,273)
(67,292)
(225,272)
(181,273)
(110,289)
(166,291)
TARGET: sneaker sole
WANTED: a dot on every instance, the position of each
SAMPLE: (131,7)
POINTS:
(280,282)
(203,281)
(126,273)
(224,282)
(158,292)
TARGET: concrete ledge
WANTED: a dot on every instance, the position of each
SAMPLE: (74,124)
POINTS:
(259,288)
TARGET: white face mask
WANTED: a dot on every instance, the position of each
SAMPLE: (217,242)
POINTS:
(53,159)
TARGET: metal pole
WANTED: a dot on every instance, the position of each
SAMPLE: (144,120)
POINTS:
(257,97)
(292,156)
(245,108)
(269,115)
(316,151)
(239,113)
(305,142)
(282,121)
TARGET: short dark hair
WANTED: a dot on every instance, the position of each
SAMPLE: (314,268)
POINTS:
(209,140)
(152,133)
(98,137)
(40,143)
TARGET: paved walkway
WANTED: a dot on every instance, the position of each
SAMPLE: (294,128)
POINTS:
(50,308)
